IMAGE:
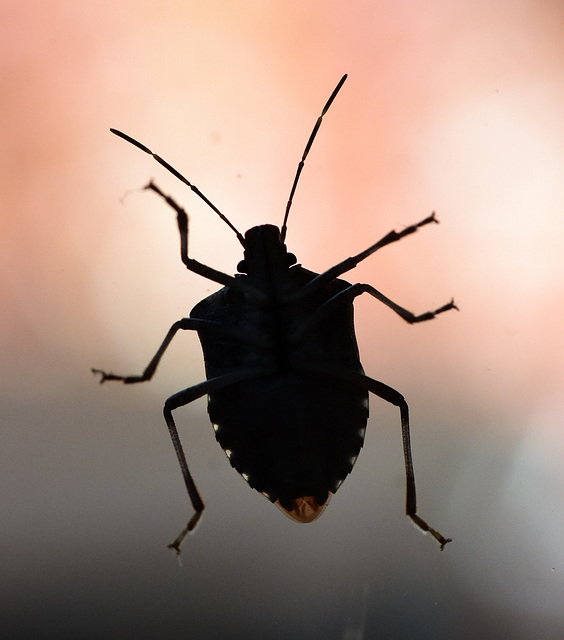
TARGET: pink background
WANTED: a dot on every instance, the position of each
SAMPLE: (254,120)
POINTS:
(452,106)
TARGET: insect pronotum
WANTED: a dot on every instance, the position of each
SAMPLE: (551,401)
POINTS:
(287,394)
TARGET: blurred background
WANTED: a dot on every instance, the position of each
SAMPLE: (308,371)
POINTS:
(451,106)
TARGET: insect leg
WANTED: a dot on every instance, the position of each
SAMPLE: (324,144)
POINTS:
(347,296)
(358,289)
(192,264)
(181,399)
(194,324)
(350,263)
(393,397)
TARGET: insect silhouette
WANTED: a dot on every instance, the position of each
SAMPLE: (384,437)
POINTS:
(287,394)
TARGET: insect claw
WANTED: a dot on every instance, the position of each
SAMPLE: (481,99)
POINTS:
(447,307)
(192,523)
(445,542)
(103,375)
(420,524)
(175,546)
(428,220)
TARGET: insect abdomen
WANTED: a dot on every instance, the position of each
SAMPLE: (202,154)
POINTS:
(301,437)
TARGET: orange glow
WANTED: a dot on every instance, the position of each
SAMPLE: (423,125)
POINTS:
(305,509)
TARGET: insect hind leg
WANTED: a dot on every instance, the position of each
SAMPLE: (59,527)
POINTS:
(175,401)
(181,399)
(392,396)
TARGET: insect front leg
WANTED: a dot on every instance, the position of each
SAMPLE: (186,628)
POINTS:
(198,267)
(350,263)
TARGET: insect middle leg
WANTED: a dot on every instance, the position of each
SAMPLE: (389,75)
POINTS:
(198,267)
(187,396)
(347,296)
(194,324)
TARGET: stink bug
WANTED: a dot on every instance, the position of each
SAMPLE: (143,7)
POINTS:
(287,394)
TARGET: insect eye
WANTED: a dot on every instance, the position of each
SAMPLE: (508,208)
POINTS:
(242,267)
(291,259)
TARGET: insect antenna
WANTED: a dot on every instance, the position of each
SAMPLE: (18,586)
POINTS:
(176,173)
(304,155)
